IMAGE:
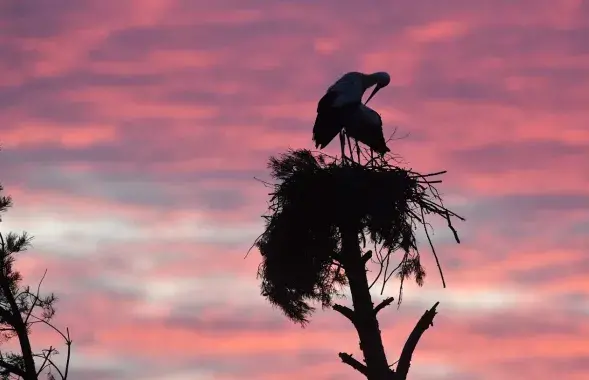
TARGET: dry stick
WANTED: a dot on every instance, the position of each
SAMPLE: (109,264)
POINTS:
(388,277)
(253,245)
(423,324)
(380,261)
(56,368)
(387,261)
(379,258)
(69,353)
(433,249)
(381,266)
(36,296)
(452,227)
(45,361)
(68,343)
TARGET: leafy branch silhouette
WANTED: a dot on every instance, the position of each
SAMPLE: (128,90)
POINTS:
(20,309)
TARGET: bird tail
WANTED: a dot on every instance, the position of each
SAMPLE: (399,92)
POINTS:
(326,127)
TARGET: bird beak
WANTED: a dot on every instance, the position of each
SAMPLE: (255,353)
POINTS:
(373,93)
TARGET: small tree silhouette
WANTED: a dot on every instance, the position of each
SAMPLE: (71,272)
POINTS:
(20,309)
(323,213)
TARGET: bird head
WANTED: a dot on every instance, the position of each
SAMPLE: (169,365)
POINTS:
(381,79)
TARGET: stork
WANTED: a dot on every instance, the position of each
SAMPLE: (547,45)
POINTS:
(341,103)
(365,126)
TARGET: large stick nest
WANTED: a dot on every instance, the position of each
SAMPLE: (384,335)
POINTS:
(312,197)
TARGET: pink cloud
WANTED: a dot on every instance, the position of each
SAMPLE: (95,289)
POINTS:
(131,134)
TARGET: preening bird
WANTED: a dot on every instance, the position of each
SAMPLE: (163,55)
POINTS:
(365,125)
(341,103)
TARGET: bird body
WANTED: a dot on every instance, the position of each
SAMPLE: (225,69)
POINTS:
(349,89)
(343,103)
(365,125)
(330,119)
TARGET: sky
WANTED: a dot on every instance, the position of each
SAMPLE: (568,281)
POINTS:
(132,131)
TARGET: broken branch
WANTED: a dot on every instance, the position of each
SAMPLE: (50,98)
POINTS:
(384,303)
(426,320)
(345,311)
(349,360)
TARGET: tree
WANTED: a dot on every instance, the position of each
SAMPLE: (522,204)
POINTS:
(323,213)
(20,309)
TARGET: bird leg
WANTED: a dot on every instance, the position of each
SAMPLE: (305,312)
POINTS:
(350,147)
(343,144)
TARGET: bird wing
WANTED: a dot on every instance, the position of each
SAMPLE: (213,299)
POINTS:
(325,129)
(365,125)
(328,121)
(348,88)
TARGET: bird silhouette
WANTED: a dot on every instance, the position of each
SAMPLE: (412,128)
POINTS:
(342,104)
(365,126)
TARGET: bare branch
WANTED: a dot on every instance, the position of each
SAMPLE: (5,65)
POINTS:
(384,303)
(68,343)
(380,268)
(69,352)
(52,363)
(349,360)
(345,311)
(36,298)
(433,249)
(423,324)
(452,227)
(45,356)
(66,338)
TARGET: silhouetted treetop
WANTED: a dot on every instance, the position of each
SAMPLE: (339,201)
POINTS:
(314,197)
(20,308)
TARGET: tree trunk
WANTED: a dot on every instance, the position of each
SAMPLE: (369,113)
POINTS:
(365,319)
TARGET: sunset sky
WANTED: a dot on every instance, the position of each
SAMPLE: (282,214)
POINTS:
(132,131)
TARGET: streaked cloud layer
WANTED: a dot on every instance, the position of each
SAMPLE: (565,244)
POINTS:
(132,132)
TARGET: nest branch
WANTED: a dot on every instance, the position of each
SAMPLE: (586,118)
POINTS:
(313,193)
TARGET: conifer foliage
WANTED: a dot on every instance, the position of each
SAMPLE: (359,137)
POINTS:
(21,309)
